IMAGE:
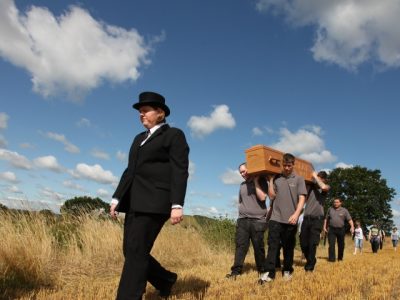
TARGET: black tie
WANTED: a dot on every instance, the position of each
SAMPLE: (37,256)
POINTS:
(146,135)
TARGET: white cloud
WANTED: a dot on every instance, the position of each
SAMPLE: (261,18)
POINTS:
(8,176)
(72,185)
(220,117)
(348,32)
(69,147)
(206,195)
(343,165)
(257,131)
(322,157)
(121,156)
(231,177)
(102,193)
(95,173)
(306,143)
(205,211)
(192,169)
(3,142)
(48,162)
(70,53)
(3,120)
(15,159)
(14,189)
(100,154)
(26,146)
(50,194)
(395,213)
(83,122)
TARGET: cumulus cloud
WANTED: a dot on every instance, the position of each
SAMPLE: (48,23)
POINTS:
(3,120)
(48,162)
(3,142)
(14,189)
(307,143)
(395,213)
(192,168)
(100,154)
(94,173)
(343,165)
(69,147)
(70,53)
(102,193)
(205,211)
(50,194)
(348,32)
(16,160)
(9,176)
(26,146)
(206,195)
(121,156)
(219,118)
(72,185)
(257,131)
(83,122)
(231,177)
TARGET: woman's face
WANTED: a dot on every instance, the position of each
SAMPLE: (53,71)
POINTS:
(149,116)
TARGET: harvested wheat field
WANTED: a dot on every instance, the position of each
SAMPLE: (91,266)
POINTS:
(82,259)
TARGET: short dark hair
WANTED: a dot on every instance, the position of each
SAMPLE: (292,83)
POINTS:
(323,174)
(288,158)
(242,164)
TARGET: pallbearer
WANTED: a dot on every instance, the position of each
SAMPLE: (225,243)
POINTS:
(288,192)
(313,219)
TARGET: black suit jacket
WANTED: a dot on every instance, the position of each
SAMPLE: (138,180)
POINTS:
(157,173)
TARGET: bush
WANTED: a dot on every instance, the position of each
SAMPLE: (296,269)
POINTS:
(84,205)
(219,232)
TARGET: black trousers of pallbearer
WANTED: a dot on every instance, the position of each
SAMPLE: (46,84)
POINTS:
(336,234)
(310,235)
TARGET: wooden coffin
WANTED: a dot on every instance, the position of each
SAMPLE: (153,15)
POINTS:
(261,159)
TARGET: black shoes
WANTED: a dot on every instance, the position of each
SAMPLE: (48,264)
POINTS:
(166,291)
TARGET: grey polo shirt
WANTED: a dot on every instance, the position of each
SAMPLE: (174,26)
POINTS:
(249,205)
(315,203)
(337,217)
(287,189)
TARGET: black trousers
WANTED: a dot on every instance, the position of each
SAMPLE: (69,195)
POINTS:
(140,232)
(309,239)
(375,244)
(280,234)
(336,234)
(249,230)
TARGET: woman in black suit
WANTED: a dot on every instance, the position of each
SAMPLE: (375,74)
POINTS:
(151,190)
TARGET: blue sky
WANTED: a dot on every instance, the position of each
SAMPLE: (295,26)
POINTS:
(316,78)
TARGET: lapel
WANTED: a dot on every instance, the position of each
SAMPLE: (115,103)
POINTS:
(158,132)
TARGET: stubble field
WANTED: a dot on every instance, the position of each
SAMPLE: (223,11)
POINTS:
(46,258)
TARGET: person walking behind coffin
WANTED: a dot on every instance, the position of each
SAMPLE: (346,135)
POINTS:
(313,219)
(383,236)
(358,238)
(252,222)
(151,190)
(374,237)
(395,238)
(335,218)
(287,192)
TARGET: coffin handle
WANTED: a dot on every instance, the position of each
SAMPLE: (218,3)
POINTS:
(274,161)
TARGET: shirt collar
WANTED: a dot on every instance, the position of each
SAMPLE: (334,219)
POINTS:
(154,128)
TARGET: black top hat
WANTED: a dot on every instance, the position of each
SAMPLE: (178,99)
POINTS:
(152,99)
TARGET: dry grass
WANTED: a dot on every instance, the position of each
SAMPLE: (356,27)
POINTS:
(86,264)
